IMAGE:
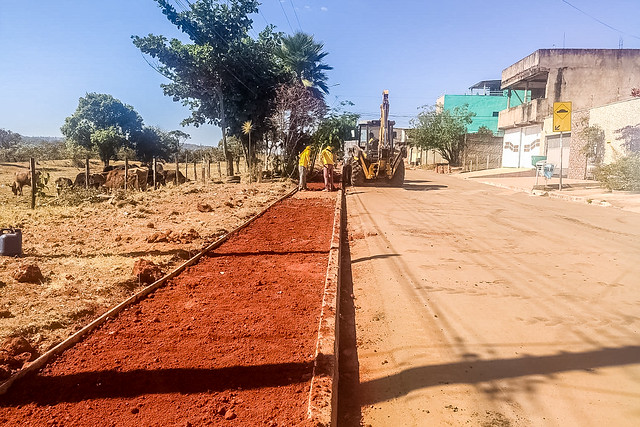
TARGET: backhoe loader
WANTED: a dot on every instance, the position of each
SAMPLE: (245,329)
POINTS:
(373,156)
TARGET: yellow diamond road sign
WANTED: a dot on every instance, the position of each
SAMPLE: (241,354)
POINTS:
(562,116)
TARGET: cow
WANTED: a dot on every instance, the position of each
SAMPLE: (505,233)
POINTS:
(96,180)
(62,183)
(170,176)
(112,167)
(21,179)
(137,179)
(159,178)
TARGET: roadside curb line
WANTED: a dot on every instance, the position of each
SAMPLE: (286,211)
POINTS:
(323,393)
(551,194)
(41,361)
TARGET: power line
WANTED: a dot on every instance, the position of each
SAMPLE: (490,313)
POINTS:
(599,21)
(197,39)
(295,13)
(285,15)
(263,17)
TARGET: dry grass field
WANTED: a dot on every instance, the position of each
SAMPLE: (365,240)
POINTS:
(86,244)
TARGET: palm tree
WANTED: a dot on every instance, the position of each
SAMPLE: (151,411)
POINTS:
(303,56)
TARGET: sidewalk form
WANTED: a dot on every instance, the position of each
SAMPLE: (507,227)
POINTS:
(581,191)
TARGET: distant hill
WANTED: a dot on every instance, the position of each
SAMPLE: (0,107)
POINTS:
(36,140)
(195,147)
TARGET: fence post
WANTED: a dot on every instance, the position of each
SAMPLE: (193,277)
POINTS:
(186,166)
(86,173)
(32,167)
(219,170)
(155,170)
(195,174)
(487,161)
(126,174)
(204,181)
(208,169)
(177,170)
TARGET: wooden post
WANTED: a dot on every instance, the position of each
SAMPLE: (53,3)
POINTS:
(477,163)
(32,168)
(186,166)
(219,170)
(126,174)
(155,171)
(487,161)
(208,169)
(204,181)
(86,173)
(195,174)
(177,170)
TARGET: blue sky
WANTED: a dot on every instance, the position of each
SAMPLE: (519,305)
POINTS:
(53,52)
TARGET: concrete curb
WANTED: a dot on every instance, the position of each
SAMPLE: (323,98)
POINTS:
(113,312)
(551,194)
(323,394)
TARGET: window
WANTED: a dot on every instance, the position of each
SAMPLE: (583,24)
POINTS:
(496,113)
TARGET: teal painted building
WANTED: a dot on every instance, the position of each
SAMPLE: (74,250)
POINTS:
(486,99)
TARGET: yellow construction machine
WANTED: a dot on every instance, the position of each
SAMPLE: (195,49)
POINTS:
(373,155)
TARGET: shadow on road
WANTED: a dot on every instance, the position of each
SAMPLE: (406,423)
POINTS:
(348,369)
(423,187)
(478,371)
(369,258)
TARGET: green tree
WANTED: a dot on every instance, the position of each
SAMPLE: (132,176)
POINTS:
(107,141)
(442,130)
(9,143)
(485,132)
(303,56)
(593,148)
(224,76)
(154,142)
(95,112)
(336,127)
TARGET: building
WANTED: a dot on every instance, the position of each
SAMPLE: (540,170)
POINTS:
(485,99)
(598,83)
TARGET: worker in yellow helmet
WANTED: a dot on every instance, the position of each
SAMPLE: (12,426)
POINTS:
(328,160)
(303,166)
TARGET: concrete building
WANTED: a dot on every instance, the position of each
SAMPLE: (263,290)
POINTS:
(596,81)
(485,99)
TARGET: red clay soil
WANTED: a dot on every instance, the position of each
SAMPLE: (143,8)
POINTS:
(229,341)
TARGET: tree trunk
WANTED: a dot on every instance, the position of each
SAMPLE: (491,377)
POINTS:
(223,125)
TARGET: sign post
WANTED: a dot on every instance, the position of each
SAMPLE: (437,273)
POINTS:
(561,123)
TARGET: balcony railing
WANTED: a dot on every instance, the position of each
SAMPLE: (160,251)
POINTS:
(525,114)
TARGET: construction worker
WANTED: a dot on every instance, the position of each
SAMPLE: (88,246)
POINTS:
(346,166)
(303,166)
(328,160)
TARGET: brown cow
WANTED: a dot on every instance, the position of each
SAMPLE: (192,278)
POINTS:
(62,183)
(21,179)
(96,180)
(170,176)
(137,179)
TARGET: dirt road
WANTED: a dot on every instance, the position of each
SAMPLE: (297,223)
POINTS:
(480,306)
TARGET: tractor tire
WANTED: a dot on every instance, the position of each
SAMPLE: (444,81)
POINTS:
(357,174)
(398,177)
